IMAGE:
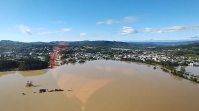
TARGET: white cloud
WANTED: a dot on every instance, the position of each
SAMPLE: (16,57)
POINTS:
(25,29)
(66,30)
(195,37)
(109,22)
(125,20)
(99,23)
(127,30)
(82,34)
(170,29)
(41,33)
(59,31)
(88,35)
(41,28)
(59,22)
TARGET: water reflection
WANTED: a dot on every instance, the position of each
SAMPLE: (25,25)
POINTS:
(176,77)
(139,63)
(148,65)
(126,62)
(106,68)
(82,63)
(180,79)
(26,73)
(6,73)
(33,73)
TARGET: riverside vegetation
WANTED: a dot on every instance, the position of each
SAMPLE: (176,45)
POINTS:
(21,65)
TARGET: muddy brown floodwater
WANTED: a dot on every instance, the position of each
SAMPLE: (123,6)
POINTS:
(98,86)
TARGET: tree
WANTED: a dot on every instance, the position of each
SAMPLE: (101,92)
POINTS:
(182,69)
(69,50)
(47,58)
(8,65)
(33,64)
(72,61)
(195,79)
(82,61)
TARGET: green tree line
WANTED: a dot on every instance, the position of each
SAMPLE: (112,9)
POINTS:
(26,64)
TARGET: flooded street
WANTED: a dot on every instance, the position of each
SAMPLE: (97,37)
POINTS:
(98,86)
(193,70)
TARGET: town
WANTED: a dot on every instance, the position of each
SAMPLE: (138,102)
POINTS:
(72,54)
(90,53)
(84,53)
(63,53)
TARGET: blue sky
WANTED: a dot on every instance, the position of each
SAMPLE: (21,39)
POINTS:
(118,20)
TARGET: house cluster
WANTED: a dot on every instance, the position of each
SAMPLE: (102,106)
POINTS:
(25,52)
(139,54)
(164,55)
(87,53)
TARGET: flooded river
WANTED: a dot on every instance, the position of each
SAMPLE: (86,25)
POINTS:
(98,86)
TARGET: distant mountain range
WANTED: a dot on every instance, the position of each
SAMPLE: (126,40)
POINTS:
(104,43)
(165,42)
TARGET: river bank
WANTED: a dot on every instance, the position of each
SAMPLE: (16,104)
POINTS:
(23,70)
(172,70)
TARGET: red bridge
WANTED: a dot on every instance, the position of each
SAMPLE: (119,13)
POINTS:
(55,57)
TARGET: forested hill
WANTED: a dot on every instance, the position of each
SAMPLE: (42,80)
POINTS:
(16,43)
(98,43)
(75,43)
(167,43)
(104,44)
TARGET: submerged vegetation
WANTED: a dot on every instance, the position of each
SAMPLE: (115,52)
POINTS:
(169,67)
(20,65)
(29,84)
